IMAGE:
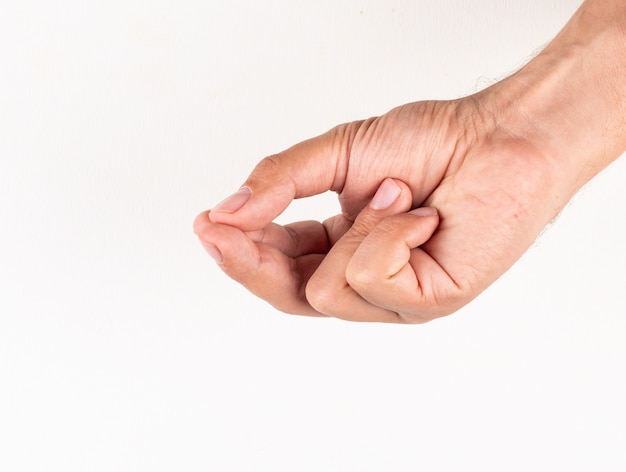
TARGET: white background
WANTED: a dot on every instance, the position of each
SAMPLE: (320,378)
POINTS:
(124,348)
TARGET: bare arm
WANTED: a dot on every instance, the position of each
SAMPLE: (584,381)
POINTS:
(462,187)
(573,94)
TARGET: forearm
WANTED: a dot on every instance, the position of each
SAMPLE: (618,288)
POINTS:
(572,96)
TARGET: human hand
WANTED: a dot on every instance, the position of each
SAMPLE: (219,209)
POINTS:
(493,192)
(497,167)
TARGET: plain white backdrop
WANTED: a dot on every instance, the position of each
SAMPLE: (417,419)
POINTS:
(124,348)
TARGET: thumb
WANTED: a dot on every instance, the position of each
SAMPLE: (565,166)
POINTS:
(308,168)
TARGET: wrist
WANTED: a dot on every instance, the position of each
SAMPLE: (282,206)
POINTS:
(570,101)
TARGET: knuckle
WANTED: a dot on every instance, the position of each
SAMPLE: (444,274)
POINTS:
(389,226)
(362,278)
(293,238)
(266,170)
(268,164)
(277,171)
(358,231)
(363,226)
(321,295)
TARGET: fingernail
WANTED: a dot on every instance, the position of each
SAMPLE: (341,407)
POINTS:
(235,201)
(214,252)
(424,211)
(386,194)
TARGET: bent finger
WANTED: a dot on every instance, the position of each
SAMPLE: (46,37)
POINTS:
(390,270)
(309,168)
(295,239)
(262,269)
(303,237)
(328,291)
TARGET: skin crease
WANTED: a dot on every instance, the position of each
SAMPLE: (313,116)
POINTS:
(487,174)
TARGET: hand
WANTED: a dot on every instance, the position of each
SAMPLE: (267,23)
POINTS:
(496,166)
(493,192)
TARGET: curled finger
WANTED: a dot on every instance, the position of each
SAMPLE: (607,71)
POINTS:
(328,290)
(391,271)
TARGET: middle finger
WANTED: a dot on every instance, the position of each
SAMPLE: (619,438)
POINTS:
(327,290)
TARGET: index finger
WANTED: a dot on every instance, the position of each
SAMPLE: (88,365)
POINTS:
(309,168)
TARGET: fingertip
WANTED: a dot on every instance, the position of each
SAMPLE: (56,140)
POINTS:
(250,208)
(234,202)
(202,227)
(387,193)
(236,254)
(205,231)
(424,212)
(226,210)
(200,222)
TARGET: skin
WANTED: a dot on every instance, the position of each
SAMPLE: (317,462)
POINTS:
(486,174)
